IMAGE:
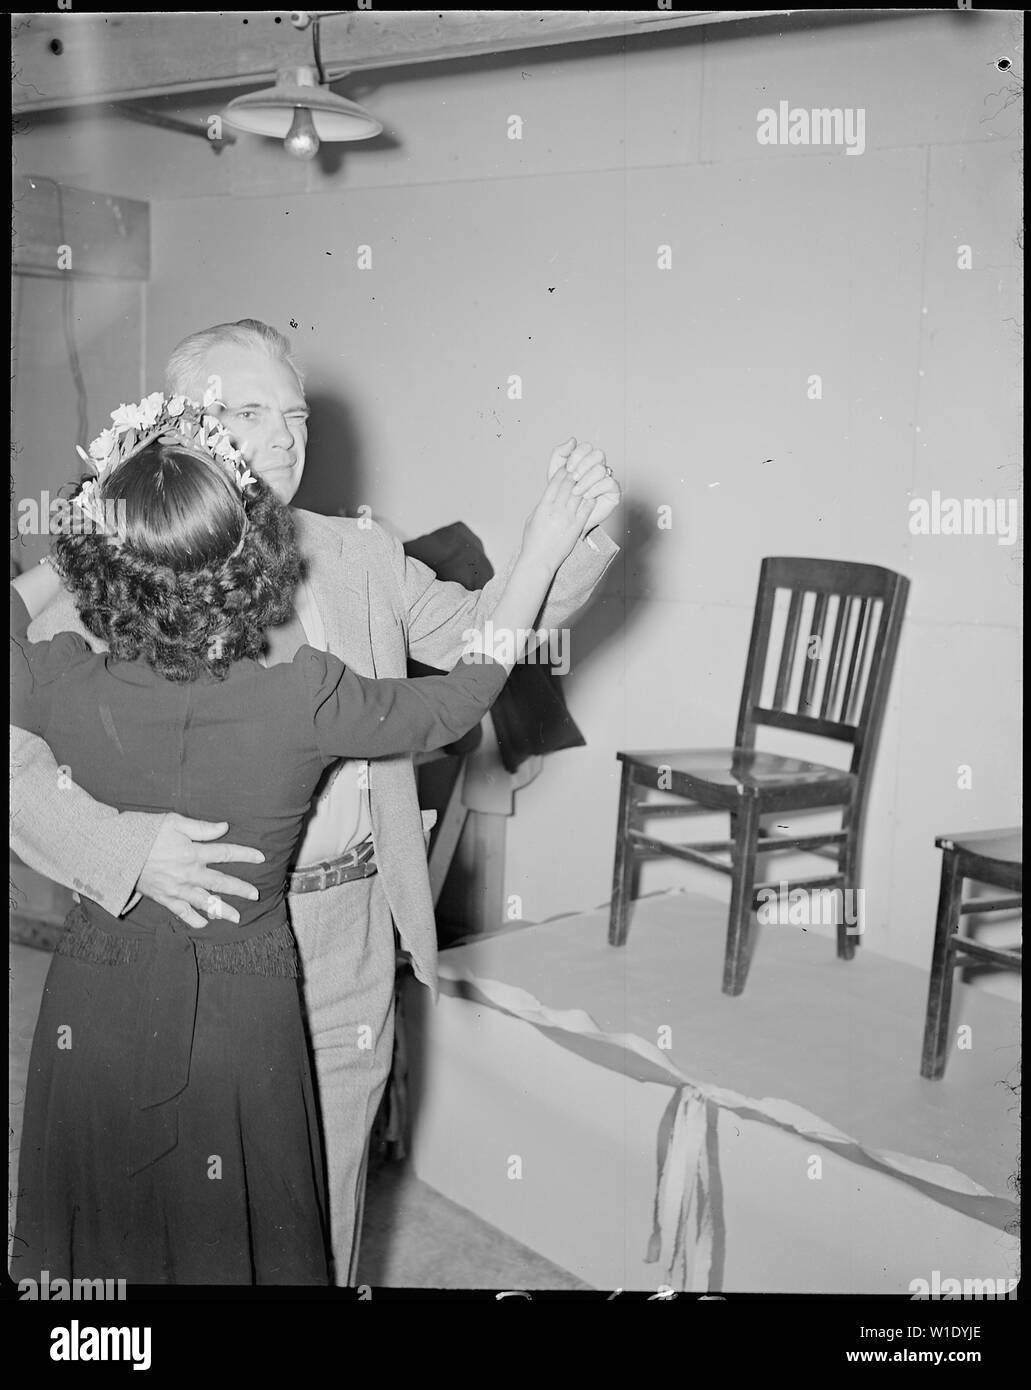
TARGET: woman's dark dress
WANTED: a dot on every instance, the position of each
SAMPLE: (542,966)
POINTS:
(170,1131)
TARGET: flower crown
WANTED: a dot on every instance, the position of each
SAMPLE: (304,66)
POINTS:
(176,419)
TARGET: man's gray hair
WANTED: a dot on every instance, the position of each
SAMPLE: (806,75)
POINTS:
(186,373)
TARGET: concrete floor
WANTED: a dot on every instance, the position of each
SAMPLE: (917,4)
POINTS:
(412,1237)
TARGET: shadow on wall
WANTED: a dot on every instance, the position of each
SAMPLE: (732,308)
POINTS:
(332,154)
(632,526)
(335,480)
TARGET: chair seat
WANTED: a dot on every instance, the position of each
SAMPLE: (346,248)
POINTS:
(994,846)
(733,772)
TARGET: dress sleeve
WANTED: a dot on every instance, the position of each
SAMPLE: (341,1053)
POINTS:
(36,667)
(354,717)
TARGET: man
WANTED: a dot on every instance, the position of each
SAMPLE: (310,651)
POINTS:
(362,865)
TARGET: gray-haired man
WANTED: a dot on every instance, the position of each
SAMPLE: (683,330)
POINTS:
(362,865)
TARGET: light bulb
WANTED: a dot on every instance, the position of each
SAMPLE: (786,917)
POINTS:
(302,141)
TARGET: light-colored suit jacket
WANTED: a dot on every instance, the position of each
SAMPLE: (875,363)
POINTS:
(378,606)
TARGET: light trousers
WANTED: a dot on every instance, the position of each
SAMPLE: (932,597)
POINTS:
(345,936)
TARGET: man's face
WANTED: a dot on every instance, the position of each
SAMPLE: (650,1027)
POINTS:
(265,413)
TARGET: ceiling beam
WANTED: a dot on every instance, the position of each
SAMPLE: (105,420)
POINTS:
(67,59)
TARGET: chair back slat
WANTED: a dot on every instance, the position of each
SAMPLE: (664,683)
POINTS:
(858,649)
(835,664)
(836,686)
(869,644)
(787,656)
(813,649)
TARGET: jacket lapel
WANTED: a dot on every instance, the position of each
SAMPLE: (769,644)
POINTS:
(340,593)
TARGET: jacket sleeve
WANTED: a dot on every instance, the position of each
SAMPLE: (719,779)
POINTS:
(59,830)
(36,667)
(439,613)
(355,717)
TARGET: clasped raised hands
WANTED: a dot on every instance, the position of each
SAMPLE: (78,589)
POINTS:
(580,493)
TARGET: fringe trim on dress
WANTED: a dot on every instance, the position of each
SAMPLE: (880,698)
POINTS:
(85,941)
(274,954)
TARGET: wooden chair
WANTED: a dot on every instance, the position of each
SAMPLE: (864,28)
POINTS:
(833,683)
(989,856)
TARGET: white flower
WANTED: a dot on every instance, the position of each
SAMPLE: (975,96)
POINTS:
(101,448)
(246,477)
(150,408)
(211,396)
(127,417)
(176,406)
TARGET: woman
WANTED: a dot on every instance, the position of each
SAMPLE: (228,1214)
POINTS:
(170,1131)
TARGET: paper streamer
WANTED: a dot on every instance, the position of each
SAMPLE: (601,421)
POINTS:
(688,1236)
(687,1225)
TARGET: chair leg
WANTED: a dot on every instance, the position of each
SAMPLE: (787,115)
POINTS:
(625,873)
(738,953)
(939,993)
(634,890)
(848,866)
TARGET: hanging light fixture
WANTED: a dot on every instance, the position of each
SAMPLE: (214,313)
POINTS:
(301,111)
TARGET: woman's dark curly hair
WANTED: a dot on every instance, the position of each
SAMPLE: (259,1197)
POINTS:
(199,572)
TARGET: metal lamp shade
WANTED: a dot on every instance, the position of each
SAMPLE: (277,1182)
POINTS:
(271,112)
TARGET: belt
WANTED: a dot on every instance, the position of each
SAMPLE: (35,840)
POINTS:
(356,863)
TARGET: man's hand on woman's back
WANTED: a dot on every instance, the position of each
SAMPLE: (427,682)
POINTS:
(177,873)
